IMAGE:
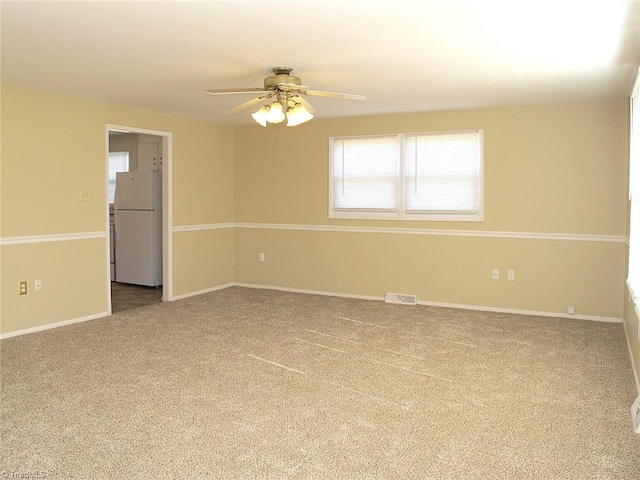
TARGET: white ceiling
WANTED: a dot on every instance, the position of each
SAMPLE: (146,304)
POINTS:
(403,55)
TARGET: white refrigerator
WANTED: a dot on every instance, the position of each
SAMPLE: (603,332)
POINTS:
(138,228)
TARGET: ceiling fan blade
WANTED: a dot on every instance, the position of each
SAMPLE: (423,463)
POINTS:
(232,91)
(348,96)
(251,102)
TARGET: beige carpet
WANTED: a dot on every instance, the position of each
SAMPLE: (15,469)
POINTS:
(243,384)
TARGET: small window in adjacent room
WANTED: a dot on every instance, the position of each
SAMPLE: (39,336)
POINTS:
(118,162)
(418,176)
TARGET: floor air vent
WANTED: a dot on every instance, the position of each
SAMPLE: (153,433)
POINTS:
(400,298)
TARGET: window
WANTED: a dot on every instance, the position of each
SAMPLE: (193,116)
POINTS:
(423,176)
(633,277)
(118,162)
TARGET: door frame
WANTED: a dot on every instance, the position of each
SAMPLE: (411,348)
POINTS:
(167,208)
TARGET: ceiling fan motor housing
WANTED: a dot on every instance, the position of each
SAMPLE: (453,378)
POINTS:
(281,77)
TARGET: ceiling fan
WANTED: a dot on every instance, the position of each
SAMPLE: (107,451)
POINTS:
(289,102)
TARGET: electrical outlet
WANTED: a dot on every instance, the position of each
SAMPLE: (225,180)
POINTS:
(511,275)
(571,311)
(85,196)
(261,257)
(37,285)
(495,274)
(22,287)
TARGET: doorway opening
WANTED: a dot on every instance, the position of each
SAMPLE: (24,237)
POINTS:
(139,217)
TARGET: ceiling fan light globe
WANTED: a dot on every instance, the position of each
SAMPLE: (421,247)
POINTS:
(298,115)
(275,115)
(260,116)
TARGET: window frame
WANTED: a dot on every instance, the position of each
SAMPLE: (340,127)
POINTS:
(401,213)
(633,257)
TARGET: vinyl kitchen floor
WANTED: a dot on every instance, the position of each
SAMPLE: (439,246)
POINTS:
(126,297)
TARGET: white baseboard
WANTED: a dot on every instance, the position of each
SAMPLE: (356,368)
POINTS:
(441,304)
(63,323)
(200,292)
(311,292)
(49,326)
(330,294)
(535,313)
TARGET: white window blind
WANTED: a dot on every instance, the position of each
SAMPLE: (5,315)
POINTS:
(418,176)
(633,276)
(365,174)
(442,172)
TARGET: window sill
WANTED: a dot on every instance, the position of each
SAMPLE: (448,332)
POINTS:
(429,217)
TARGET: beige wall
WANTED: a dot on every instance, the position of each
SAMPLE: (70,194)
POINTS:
(202,259)
(73,277)
(55,146)
(550,275)
(555,169)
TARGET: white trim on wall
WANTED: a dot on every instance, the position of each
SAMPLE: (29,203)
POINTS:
(328,228)
(575,237)
(206,226)
(58,237)
(63,237)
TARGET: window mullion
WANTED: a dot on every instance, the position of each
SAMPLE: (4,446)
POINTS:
(342,173)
